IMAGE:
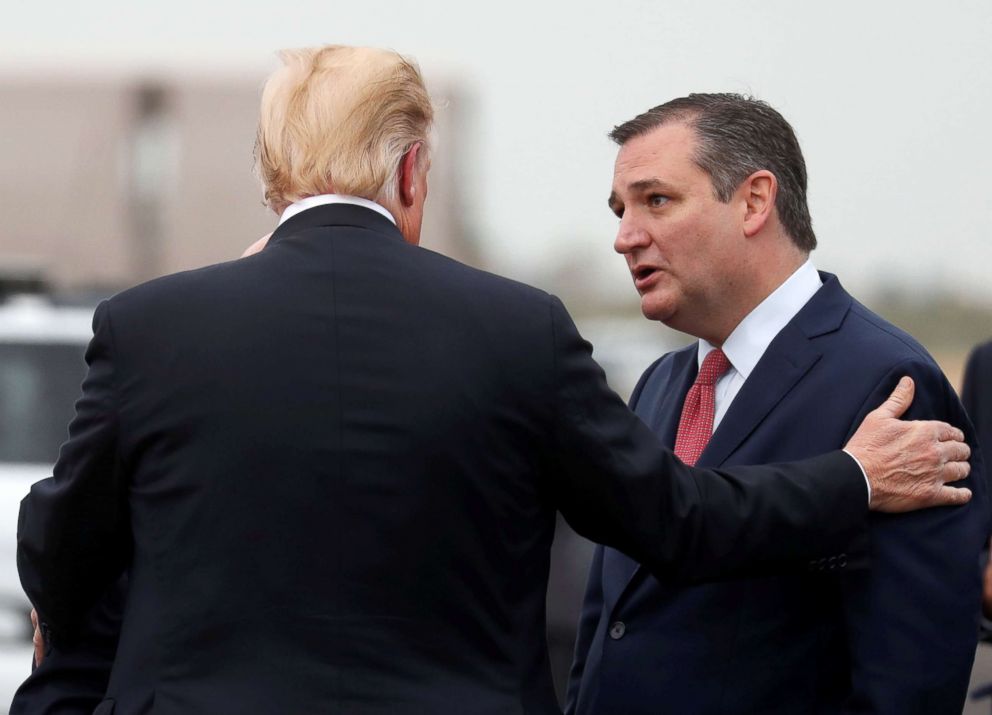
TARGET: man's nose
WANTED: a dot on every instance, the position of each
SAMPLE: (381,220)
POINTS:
(630,236)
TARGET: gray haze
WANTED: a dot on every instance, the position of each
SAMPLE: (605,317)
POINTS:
(891,101)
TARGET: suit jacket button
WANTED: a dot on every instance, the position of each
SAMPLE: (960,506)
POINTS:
(617,630)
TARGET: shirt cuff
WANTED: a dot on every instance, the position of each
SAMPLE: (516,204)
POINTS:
(863,473)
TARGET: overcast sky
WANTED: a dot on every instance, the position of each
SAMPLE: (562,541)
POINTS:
(892,102)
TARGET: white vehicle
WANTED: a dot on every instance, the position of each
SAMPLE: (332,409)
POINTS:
(41,369)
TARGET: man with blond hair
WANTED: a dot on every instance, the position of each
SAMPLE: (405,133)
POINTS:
(330,469)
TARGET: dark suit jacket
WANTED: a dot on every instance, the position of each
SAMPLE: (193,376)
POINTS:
(898,637)
(332,470)
(976,393)
(73,677)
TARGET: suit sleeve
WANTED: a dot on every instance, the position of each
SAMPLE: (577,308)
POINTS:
(73,677)
(592,602)
(912,618)
(73,533)
(616,485)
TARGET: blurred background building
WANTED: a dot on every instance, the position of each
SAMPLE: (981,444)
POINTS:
(109,181)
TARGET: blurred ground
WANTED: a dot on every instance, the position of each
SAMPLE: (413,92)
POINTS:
(980,675)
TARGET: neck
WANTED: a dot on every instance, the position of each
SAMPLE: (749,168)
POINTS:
(767,272)
(406,222)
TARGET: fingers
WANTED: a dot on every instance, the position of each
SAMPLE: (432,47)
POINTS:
(949,439)
(951,496)
(900,399)
(257,246)
(39,648)
(955,471)
(946,432)
(953,451)
(37,640)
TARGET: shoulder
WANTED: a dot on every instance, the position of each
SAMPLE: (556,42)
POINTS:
(868,352)
(876,354)
(459,276)
(883,341)
(862,358)
(980,356)
(173,287)
(490,302)
(976,382)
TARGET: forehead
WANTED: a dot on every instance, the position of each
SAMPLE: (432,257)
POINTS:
(664,153)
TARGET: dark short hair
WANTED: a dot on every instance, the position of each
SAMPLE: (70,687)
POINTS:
(737,136)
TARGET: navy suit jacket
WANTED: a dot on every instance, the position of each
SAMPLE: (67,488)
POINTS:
(331,471)
(894,636)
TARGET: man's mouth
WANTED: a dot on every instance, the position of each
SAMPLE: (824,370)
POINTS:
(644,275)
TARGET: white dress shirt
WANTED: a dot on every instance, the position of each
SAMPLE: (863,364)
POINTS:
(752,336)
(322,199)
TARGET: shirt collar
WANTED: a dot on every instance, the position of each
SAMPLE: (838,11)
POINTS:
(754,334)
(322,199)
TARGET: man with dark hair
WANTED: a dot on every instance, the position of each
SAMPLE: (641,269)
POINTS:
(710,191)
(735,137)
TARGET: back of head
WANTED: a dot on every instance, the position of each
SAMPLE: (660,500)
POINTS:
(737,136)
(338,119)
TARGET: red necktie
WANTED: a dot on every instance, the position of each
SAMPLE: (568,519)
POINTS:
(696,423)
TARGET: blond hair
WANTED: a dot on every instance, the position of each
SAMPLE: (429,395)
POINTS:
(339,119)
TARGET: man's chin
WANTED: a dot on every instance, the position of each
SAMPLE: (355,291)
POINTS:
(656,310)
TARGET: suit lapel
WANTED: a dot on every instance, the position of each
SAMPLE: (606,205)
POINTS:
(789,357)
(660,403)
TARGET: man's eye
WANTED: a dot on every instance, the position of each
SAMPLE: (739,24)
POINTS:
(656,200)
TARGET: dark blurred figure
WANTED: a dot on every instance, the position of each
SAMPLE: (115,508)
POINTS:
(976,394)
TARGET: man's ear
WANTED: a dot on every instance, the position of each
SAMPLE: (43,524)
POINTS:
(408,175)
(758,192)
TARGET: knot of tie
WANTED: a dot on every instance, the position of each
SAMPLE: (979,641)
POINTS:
(714,365)
(699,408)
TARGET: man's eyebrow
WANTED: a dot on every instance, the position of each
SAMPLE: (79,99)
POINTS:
(645,184)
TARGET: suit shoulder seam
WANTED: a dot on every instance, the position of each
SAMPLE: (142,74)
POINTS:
(894,332)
